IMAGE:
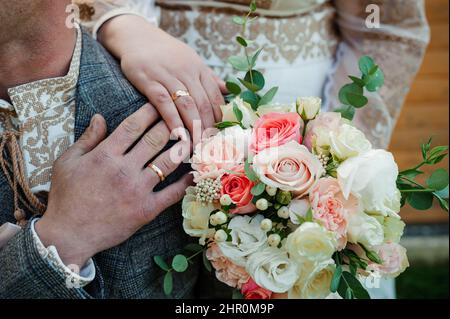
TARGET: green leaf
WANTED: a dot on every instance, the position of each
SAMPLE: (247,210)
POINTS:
(438,180)
(356,100)
(242,41)
(240,63)
(349,281)
(349,293)
(161,263)
(251,98)
(237,294)
(268,97)
(249,85)
(437,154)
(249,172)
(347,112)
(252,6)
(351,88)
(224,125)
(426,148)
(237,112)
(206,262)
(443,193)
(193,247)
(238,20)
(309,215)
(421,200)
(357,81)
(257,78)
(180,263)
(168,283)
(336,279)
(233,87)
(255,57)
(442,201)
(411,173)
(366,64)
(374,81)
(258,189)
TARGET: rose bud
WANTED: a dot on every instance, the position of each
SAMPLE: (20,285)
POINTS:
(308,107)
(225,200)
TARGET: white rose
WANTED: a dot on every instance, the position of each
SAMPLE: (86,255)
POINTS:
(272,269)
(365,229)
(308,107)
(277,108)
(372,177)
(240,137)
(298,208)
(311,242)
(348,141)
(196,216)
(247,237)
(248,115)
(314,281)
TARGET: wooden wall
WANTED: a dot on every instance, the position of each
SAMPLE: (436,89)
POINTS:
(426,110)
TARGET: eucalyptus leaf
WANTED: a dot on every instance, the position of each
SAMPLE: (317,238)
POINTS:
(249,172)
(357,81)
(237,112)
(356,100)
(251,98)
(438,180)
(233,87)
(249,85)
(240,63)
(238,20)
(336,279)
(374,81)
(347,112)
(253,6)
(255,57)
(258,189)
(193,247)
(161,263)
(242,41)
(224,125)
(268,97)
(168,283)
(257,78)
(366,64)
(180,263)
(443,193)
(350,88)
(421,200)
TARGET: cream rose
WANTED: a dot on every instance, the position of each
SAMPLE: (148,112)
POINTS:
(314,281)
(348,141)
(393,229)
(311,242)
(308,107)
(196,216)
(249,116)
(247,237)
(317,137)
(365,229)
(289,167)
(239,137)
(372,177)
(272,269)
(275,108)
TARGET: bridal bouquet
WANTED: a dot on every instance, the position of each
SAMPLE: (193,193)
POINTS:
(289,200)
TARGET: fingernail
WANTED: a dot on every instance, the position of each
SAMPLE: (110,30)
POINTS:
(93,121)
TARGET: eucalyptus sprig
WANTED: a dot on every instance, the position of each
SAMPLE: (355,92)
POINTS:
(180,263)
(421,196)
(352,95)
(248,87)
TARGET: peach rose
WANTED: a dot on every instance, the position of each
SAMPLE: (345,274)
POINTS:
(213,156)
(318,130)
(394,259)
(331,209)
(226,271)
(276,129)
(290,167)
(238,187)
(251,290)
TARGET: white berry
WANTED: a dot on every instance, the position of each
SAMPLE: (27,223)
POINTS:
(220,236)
(221,218)
(266,224)
(262,204)
(225,200)
(271,190)
(274,240)
(283,212)
(213,220)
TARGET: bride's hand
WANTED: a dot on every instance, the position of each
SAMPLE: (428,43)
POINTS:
(159,65)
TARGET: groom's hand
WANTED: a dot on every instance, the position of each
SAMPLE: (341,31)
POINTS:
(102,191)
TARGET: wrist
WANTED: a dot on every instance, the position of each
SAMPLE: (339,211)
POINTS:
(70,249)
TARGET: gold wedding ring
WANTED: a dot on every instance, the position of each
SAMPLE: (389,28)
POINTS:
(157,170)
(179,93)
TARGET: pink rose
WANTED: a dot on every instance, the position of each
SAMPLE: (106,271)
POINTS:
(213,156)
(226,271)
(276,129)
(317,130)
(394,259)
(331,208)
(289,167)
(239,187)
(251,290)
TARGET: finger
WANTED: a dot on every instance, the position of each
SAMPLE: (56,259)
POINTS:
(214,95)
(149,145)
(160,97)
(202,102)
(220,83)
(167,162)
(129,131)
(167,197)
(91,137)
(186,106)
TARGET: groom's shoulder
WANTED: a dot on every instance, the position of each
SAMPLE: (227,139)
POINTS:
(102,88)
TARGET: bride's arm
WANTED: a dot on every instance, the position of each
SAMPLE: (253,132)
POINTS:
(398,46)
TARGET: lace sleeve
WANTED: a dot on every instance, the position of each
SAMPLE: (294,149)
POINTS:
(93,13)
(397,45)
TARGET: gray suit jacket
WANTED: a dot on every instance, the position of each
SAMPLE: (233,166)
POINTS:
(125,271)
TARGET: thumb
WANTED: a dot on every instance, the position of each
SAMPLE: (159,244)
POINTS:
(93,135)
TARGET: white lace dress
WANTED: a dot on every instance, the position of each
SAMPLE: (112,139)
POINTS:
(310,48)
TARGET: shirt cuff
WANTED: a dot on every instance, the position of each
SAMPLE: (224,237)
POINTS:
(117,12)
(75,278)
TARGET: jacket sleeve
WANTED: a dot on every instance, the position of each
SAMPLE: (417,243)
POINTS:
(397,44)
(25,274)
